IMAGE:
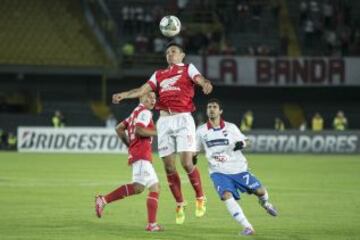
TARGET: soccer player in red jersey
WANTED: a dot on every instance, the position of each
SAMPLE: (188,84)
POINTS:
(175,127)
(140,130)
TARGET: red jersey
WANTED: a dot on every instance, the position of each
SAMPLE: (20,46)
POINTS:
(139,147)
(175,87)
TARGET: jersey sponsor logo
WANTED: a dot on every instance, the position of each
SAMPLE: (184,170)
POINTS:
(168,84)
(217,142)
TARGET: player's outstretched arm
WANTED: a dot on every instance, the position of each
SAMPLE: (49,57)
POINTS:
(205,84)
(120,131)
(145,132)
(133,93)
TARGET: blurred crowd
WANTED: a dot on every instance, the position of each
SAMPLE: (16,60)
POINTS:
(140,24)
(198,43)
(316,124)
(328,28)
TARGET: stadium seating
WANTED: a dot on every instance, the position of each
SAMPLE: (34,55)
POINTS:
(247,29)
(51,33)
(315,44)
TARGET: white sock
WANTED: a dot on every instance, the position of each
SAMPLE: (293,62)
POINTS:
(236,212)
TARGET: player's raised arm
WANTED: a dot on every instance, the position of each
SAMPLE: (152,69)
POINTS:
(120,131)
(199,79)
(204,83)
(133,93)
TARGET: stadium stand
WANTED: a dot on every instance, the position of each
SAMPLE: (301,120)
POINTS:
(326,27)
(52,33)
(248,24)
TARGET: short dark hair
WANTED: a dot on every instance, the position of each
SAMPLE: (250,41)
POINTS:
(215,100)
(172,43)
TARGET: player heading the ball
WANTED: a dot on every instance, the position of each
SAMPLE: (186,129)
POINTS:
(175,87)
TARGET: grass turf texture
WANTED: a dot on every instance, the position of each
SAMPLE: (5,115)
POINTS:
(51,196)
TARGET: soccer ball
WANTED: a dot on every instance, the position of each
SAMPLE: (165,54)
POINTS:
(170,26)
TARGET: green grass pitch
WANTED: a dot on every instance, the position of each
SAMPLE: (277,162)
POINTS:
(51,196)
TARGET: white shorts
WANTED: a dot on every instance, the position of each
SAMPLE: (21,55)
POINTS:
(144,173)
(176,133)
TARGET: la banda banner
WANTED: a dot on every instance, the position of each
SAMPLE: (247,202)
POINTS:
(104,140)
(326,142)
(69,140)
(279,72)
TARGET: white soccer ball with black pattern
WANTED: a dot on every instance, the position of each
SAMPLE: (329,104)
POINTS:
(170,26)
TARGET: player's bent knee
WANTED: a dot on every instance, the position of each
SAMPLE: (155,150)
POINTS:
(169,164)
(139,188)
(187,165)
(227,195)
(155,188)
(169,168)
(260,191)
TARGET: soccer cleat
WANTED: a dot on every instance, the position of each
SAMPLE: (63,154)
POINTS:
(99,205)
(200,208)
(180,215)
(270,209)
(154,227)
(248,231)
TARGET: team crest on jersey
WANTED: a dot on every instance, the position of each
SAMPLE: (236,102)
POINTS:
(225,133)
(168,84)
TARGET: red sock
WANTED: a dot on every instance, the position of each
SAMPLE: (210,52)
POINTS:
(123,191)
(175,186)
(194,177)
(152,206)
